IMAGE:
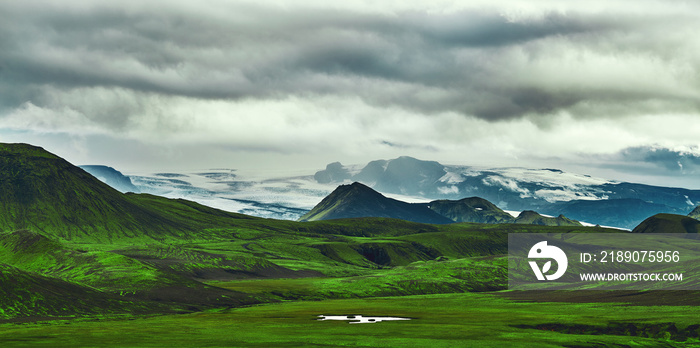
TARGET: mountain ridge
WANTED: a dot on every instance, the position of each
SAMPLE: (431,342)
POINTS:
(668,223)
(45,193)
(471,209)
(357,200)
(548,191)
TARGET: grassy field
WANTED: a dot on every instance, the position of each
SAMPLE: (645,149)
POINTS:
(445,320)
(264,288)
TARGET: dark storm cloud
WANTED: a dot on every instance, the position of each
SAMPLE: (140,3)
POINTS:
(674,161)
(489,29)
(479,63)
(655,160)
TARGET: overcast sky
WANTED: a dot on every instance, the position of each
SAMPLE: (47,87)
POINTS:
(608,88)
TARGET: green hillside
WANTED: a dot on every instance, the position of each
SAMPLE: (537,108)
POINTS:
(44,193)
(668,223)
(30,296)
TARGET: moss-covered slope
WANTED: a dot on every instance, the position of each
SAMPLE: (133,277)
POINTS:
(668,223)
(44,193)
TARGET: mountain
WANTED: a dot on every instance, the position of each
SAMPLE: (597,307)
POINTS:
(695,214)
(479,210)
(111,177)
(43,192)
(530,217)
(668,223)
(614,212)
(358,200)
(548,191)
(473,209)
(409,176)
(404,175)
(335,172)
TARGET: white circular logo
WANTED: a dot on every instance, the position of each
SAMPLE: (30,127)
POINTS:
(543,251)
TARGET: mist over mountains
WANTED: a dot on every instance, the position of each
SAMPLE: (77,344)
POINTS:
(289,196)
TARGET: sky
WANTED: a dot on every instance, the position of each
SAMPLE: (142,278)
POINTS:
(605,88)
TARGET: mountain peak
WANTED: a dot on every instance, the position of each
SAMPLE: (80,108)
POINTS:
(359,187)
(668,223)
(534,218)
(358,200)
(334,172)
(355,191)
(22,149)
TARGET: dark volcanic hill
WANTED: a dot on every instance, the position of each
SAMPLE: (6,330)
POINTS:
(43,192)
(473,209)
(668,223)
(358,200)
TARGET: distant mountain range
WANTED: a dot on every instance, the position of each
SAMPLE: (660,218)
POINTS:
(357,200)
(548,191)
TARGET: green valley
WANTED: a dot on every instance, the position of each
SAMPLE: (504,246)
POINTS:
(82,264)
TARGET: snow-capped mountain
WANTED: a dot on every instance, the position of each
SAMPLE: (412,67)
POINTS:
(548,191)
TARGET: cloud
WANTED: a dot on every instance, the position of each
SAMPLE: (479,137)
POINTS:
(457,82)
(478,62)
(670,161)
